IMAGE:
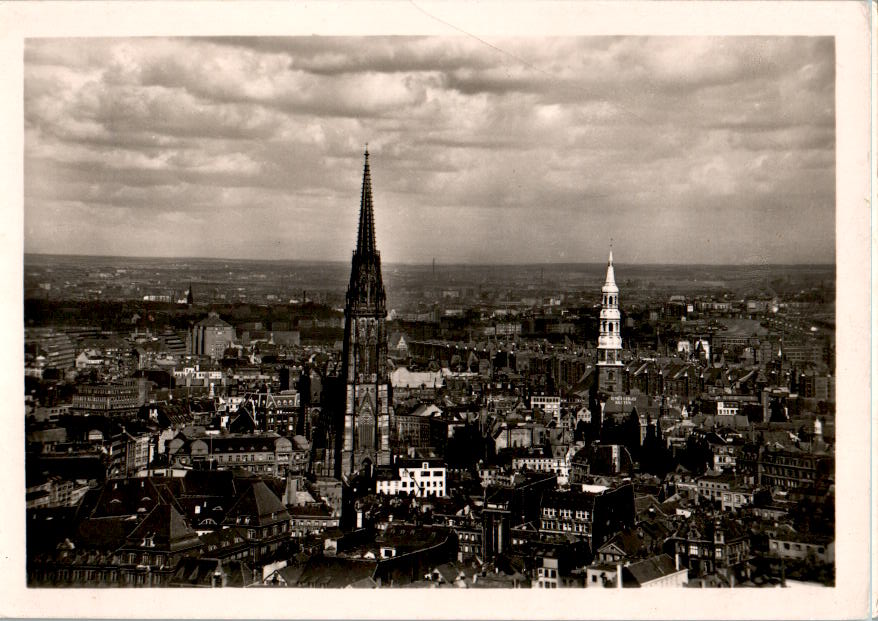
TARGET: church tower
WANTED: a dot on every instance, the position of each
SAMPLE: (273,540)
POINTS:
(365,434)
(610,337)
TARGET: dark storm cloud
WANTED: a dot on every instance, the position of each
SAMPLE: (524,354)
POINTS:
(525,149)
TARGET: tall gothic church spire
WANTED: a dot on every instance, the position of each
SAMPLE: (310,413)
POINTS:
(366,231)
(366,289)
(362,440)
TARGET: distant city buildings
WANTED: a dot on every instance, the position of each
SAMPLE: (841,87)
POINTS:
(462,429)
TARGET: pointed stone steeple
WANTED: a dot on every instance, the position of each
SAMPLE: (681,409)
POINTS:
(366,289)
(366,231)
(611,274)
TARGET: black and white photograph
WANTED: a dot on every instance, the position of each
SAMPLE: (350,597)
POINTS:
(450,307)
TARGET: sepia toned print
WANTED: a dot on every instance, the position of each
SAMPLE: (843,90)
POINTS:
(430,312)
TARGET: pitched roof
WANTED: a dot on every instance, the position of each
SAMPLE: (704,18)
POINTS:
(569,500)
(335,572)
(628,541)
(651,568)
(201,572)
(166,529)
(106,533)
(126,497)
(257,506)
(212,483)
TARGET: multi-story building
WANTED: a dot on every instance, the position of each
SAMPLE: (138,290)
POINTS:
(411,430)
(554,573)
(707,546)
(467,526)
(415,478)
(54,492)
(790,544)
(121,397)
(199,378)
(133,452)
(737,497)
(724,456)
(554,465)
(727,408)
(311,520)
(549,404)
(590,515)
(277,412)
(507,507)
(711,487)
(57,349)
(789,469)
(260,453)
(210,337)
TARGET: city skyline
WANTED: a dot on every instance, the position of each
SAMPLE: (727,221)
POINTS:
(243,148)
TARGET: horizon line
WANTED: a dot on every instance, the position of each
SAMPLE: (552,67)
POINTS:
(429,263)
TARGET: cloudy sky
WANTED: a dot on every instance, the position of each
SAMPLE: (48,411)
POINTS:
(680,150)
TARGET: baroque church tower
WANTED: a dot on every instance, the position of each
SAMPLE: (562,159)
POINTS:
(610,337)
(365,433)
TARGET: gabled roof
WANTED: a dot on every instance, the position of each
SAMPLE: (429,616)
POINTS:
(202,572)
(645,502)
(257,506)
(288,575)
(335,572)
(121,497)
(629,541)
(651,569)
(210,483)
(164,529)
(106,533)
(569,500)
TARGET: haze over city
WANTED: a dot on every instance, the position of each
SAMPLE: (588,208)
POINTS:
(681,150)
